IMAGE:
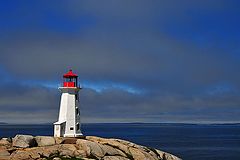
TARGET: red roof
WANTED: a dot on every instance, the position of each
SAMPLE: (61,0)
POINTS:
(70,74)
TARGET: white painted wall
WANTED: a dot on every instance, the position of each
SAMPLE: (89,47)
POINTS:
(68,116)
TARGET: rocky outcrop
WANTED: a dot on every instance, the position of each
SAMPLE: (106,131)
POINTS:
(44,141)
(25,147)
(23,141)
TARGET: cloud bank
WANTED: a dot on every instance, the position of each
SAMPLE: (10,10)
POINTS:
(138,61)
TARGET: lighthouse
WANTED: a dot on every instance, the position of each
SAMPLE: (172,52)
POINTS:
(68,124)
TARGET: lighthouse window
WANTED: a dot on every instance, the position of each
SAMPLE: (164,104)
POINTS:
(76,96)
(78,126)
(71,128)
(68,79)
(77,111)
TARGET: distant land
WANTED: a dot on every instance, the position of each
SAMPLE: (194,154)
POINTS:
(157,123)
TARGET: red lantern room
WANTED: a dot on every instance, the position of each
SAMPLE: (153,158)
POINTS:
(70,79)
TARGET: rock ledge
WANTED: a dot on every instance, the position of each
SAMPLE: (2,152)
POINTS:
(27,147)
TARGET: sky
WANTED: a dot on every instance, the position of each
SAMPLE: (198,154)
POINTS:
(138,61)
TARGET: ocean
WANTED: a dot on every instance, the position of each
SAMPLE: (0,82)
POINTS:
(188,141)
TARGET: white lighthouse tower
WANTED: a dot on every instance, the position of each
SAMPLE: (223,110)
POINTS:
(68,124)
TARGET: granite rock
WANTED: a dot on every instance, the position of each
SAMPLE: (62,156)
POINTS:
(45,141)
(23,141)
(89,147)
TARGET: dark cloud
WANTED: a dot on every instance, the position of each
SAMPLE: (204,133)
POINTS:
(181,57)
(24,104)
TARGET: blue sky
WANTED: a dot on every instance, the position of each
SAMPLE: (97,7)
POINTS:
(138,61)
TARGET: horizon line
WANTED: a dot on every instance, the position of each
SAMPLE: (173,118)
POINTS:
(188,123)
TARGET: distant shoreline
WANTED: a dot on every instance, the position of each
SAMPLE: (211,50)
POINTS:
(3,123)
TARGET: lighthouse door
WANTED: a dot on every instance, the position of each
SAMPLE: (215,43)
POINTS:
(62,131)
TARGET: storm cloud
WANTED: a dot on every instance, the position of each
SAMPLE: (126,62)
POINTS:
(138,61)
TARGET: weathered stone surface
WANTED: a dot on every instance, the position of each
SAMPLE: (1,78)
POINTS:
(35,153)
(9,139)
(114,158)
(136,153)
(45,141)
(83,146)
(67,149)
(127,143)
(108,150)
(48,150)
(11,149)
(20,155)
(160,153)
(80,153)
(89,148)
(167,156)
(93,149)
(23,141)
(3,148)
(4,157)
(110,142)
(5,143)
(153,154)
(4,153)
(59,140)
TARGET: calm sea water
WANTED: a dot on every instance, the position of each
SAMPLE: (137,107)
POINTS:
(190,142)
